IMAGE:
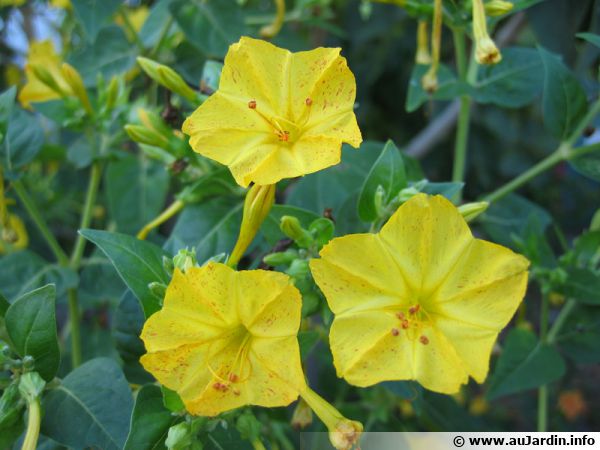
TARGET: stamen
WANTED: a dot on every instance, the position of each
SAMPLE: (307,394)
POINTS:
(424,340)
(284,136)
(405,324)
(252,104)
(233,377)
(236,392)
(395,332)
(400,315)
(308,101)
(414,309)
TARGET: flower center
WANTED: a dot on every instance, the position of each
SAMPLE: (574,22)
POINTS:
(284,130)
(240,369)
(412,322)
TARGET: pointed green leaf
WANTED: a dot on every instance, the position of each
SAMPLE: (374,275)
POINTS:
(31,326)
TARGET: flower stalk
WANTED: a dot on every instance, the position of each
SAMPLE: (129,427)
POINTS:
(430,80)
(273,29)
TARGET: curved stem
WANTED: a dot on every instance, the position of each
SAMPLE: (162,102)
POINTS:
(272,30)
(86,217)
(173,209)
(33,425)
(565,312)
(39,221)
(542,408)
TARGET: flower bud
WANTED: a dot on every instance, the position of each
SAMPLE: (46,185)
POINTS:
(429,82)
(74,80)
(143,135)
(486,51)
(280,258)
(112,93)
(291,227)
(168,78)
(257,205)
(185,259)
(179,437)
(48,79)
(31,386)
(497,7)
(471,210)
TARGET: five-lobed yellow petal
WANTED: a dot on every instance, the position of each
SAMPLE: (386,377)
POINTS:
(424,301)
(226,339)
(277,114)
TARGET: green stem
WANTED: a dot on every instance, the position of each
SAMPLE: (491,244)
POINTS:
(33,426)
(526,176)
(542,418)
(591,114)
(464,115)
(86,217)
(163,35)
(131,28)
(39,221)
(565,312)
(75,262)
(74,319)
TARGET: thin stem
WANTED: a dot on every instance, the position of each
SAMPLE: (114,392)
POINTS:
(464,114)
(33,426)
(41,224)
(131,28)
(565,312)
(542,418)
(525,177)
(163,35)
(173,209)
(74,319)
(86,217)
(591,114)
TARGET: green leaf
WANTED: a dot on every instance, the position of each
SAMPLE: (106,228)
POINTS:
(171,400)
(449,87)
(580,335)
(524,364)
(24,271)
(403,389)
(586,249)
(210,26)
(135,189)
(514,82)
(583,285)
(511,217)
(91,408)
(156,23)
(31,326)
(564,100)
(150,421)
(592,38)
(387,172)
(4,304)
(110,54)
(330,188)
(23,141)
(138,263)
(448,189)
(211,227)
(588,165)
(7,100)
(94,14)
(128,323)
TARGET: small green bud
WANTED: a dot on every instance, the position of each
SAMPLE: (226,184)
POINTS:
(472,210)
(298,269)
(179,437)
(158,289)
(112,93)
(185,259)
(378,200)
(168,265)
(291,227)
(409,192)
(248,426)
(31,386)
(280,258)
(143,135)
(174,82)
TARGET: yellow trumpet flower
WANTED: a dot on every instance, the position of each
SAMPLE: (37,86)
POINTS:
(424,301)
(277,114)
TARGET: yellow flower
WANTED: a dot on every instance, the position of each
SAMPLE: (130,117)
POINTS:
(64,4)
(425,300)
(225,339)
(43,62)
(277,114)
(13,236)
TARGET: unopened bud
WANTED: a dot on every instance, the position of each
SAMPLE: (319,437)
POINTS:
(280,258)
(291,227)
(486,51)
(74,80)
(471,210)
(302,416)
(422,56)
(185,259)
(42,74)
(167,77)
(112,93)
(179,437)
(498,7)
(143,135)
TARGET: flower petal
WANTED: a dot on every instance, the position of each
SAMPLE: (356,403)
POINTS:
(257,70)
(323,76)
(366,352)
(356,272)
(426,235)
